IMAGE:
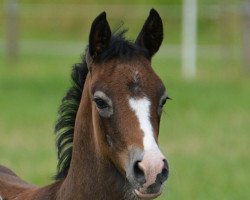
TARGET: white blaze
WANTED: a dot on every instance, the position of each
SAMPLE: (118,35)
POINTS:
(141,107)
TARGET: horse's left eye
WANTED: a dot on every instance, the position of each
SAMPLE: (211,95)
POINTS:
(163,102)
(100,103)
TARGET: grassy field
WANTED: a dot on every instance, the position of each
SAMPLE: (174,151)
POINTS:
(204,130)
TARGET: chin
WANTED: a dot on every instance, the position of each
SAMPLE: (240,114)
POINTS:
(135,192)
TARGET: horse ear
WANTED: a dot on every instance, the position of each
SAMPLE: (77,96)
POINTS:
(100,35)
(151,35)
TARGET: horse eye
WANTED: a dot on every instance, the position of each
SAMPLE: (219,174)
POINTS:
(100,103)
(164,101)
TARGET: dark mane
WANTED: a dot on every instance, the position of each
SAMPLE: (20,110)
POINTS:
(64,128)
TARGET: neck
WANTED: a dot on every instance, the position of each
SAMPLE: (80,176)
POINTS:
(90,176)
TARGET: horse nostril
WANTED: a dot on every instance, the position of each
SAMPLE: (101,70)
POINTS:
(165,171)
(139,173)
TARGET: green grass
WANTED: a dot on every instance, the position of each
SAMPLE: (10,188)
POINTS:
(204,130)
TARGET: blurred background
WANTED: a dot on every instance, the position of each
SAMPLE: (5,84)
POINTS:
(204,62)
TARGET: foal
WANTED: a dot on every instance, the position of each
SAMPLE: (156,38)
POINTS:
(107,132)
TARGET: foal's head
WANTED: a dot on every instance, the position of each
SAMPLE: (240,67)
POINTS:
(128,99)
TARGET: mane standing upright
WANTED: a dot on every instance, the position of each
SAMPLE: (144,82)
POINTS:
(107,132)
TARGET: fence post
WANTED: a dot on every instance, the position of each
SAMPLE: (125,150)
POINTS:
(12,29)
(246,34)
(189,32)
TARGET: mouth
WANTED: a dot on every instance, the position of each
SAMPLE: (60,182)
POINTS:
(147,195)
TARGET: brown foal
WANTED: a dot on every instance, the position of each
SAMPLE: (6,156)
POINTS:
(107,131)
